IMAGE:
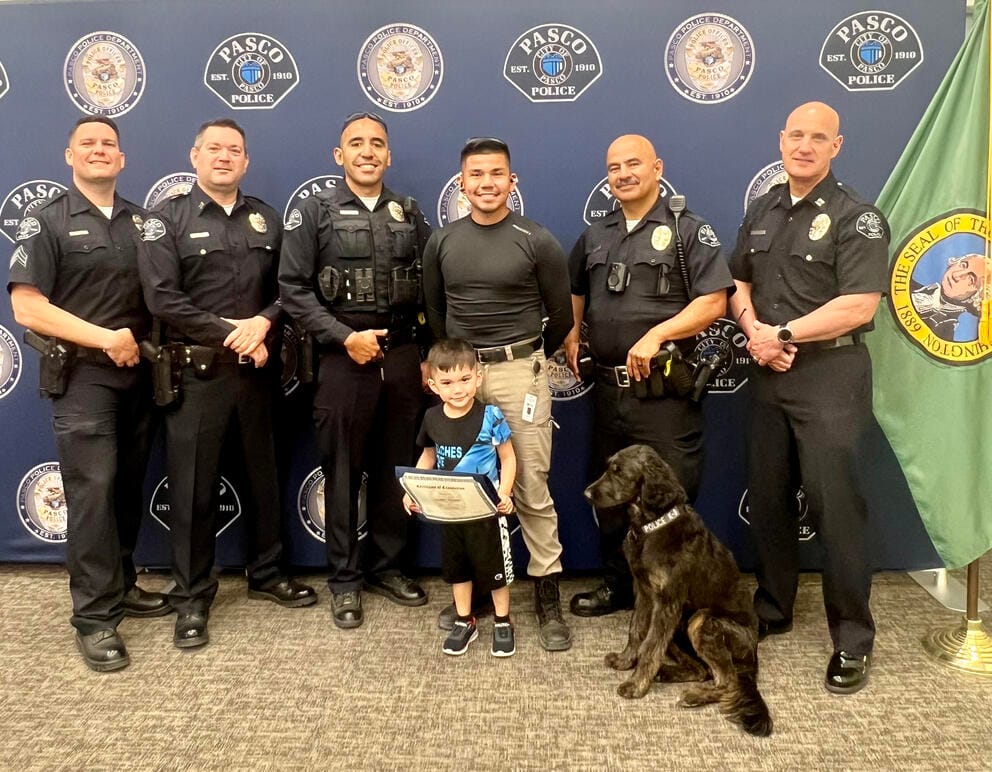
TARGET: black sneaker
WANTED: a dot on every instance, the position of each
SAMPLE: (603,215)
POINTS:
(461,635)
(503,642)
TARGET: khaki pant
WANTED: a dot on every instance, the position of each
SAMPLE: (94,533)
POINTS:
(506,385)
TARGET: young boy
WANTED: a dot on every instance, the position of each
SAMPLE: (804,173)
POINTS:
(463,435)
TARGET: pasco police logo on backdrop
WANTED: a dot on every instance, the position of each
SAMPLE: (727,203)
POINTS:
(170,186)
(763,181)
(251,71)
(453,204)
(4,83)
(10,362)
(310,506)
(228,504)
(552,63)
(601,201)
(936,282)
(800,510)
(41,503)
(291,216)
(400,67)
(104,74)
(871,51)
(709,58)
(724,344)
(22,200)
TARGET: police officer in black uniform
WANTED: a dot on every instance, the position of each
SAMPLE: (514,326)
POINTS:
(627,286)
(350,276)
(74,277)
(810,268)
(209,271)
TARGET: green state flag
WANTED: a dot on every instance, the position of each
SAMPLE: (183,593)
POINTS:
(932,374)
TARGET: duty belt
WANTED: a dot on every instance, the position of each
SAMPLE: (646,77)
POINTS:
(395,338)
(614,376)
(94,355)
(494,354)
(188,354)
(823,345)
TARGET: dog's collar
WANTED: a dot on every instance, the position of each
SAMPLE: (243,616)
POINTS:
(662,521)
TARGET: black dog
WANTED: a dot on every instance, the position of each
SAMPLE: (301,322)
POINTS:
(693,617)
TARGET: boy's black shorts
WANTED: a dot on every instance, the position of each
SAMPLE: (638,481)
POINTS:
(477,552)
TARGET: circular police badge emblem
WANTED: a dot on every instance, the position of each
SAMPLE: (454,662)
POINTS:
(552,63)
(104,74)
(819,227)
(871,51)
(709,58)
(41,503)
(228,505)
(289,354)
(24,199)
(723,347)
(170,186)
(400,67)
(311,187)
(661,237)
(936,282)
(601,201)
(800,511)
(310,504)
(452,204)
(251,71)
(4,83)
(770,176)
(561,380)
(10,362)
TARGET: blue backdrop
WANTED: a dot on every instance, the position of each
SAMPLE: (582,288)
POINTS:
(557,80)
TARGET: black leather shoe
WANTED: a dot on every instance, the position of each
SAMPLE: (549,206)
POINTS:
(286,592)
(142,603)
(847,673)
(346,608)
(191,631)
(773,628)
(103,650)
(398,588)
(603,600)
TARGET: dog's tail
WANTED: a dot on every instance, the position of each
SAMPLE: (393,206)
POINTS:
(743,703)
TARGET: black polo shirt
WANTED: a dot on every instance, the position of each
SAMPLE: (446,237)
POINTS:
(83,262)
(618,320)
(198,264)
(798,257)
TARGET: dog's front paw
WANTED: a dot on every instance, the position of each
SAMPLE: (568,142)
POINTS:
(633,689)
(621,661)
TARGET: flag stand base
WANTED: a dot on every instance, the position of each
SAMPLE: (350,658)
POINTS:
(966,647)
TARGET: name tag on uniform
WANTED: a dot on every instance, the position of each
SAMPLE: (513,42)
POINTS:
(199,235)
(758,233)
(348,211)
(79,233)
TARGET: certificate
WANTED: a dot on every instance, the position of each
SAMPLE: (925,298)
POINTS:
(449,497)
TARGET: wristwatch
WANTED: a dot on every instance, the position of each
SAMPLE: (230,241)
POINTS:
(784,333)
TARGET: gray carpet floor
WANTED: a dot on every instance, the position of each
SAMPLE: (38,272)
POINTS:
(284,689)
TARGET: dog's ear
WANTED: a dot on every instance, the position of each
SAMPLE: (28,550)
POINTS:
(660,488)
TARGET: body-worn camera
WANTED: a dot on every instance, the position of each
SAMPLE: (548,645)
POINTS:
(617,278)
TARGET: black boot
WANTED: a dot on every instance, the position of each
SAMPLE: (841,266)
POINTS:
(555,635)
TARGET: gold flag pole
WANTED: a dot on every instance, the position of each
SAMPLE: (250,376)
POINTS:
(968,647)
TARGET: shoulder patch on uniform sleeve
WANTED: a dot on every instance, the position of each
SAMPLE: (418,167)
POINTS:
(20,257)
(707,236)
(869,225)
(293,220)
(153,229)
(27,228)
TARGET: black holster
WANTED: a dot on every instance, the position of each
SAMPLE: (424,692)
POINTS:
(166,375)
(57,358)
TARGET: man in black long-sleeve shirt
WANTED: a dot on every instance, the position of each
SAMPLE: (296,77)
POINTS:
(489,278)
(209,271)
